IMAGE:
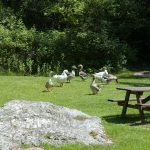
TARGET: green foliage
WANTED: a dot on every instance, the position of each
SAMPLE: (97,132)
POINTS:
(93,49)
(38,35)
(93,133)
(47,136)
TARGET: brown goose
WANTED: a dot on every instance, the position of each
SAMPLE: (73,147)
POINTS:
(82,74)
(112,77)
(49,84)
(71,74)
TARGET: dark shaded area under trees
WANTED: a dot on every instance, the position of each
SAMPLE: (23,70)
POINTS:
(37,35)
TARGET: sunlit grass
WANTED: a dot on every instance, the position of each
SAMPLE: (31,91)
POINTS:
(126,134)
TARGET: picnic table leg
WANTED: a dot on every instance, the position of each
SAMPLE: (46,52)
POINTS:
(124,109)
(146,100)
(138,95)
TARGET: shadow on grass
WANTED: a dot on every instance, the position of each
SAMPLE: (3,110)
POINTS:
(132,119)
(91,94)
(57,86)
(45,91)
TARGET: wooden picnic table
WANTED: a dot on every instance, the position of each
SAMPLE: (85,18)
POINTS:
(141,103)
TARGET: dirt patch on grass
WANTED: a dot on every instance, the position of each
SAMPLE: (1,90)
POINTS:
(145,74)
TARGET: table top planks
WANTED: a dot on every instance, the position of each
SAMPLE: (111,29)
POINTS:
(134,89)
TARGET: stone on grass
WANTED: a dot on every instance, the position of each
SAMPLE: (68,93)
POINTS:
(35,123)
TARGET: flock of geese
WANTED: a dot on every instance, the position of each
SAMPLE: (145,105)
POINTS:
(67,76)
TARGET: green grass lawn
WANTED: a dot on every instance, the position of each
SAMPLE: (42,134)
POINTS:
(126,134)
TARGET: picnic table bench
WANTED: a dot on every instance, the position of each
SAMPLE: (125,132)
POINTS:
(140,103)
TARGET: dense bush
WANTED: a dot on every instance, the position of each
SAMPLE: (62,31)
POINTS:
(37,36)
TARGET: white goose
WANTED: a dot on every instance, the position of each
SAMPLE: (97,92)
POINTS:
(105,77)
(61,78)
(94,86)
(102,76)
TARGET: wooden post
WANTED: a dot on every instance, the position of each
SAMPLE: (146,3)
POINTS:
(124,109)
(138,95)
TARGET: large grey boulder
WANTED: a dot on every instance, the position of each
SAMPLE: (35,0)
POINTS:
(34,123)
